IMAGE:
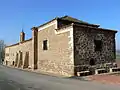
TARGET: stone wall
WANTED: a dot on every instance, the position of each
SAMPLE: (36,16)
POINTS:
(10,54)
(15,52)
(84,46)
(58,58)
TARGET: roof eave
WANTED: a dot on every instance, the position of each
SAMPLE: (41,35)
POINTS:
(115,31)
(47,22)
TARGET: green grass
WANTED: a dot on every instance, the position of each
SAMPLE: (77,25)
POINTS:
(117,56)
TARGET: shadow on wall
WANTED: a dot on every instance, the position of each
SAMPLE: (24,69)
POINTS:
(19,60)
(26,60)
(16,60)
(20,63)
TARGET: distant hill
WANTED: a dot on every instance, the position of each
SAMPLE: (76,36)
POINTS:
(118,52)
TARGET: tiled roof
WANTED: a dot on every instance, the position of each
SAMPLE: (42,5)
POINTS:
(74,20)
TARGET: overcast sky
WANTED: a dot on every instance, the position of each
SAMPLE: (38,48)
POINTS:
(18,14)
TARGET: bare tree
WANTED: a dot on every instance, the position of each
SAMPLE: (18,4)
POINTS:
(2,50)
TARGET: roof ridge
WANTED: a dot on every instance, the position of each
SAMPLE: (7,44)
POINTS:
(74,19)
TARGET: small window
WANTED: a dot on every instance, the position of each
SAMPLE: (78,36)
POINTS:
(98,45)
(45,45)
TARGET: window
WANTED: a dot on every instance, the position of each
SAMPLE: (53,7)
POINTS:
(45,45)
(98,45)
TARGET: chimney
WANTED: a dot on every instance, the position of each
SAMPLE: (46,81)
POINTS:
(22,36)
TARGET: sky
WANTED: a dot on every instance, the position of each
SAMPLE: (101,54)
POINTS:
(18,14)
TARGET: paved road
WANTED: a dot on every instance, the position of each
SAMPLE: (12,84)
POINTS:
(14,79)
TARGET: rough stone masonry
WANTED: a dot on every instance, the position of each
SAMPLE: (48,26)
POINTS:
(61,45)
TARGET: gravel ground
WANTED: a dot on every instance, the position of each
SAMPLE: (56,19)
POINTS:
(14,79)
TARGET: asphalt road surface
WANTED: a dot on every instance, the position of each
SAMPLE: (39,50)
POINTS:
(14,79)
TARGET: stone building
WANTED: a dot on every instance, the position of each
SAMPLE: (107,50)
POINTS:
(63,45)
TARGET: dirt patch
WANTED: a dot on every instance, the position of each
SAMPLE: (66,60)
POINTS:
(109,79)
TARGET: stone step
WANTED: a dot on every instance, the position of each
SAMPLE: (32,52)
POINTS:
(83,73)
(99,71)
(114,69)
